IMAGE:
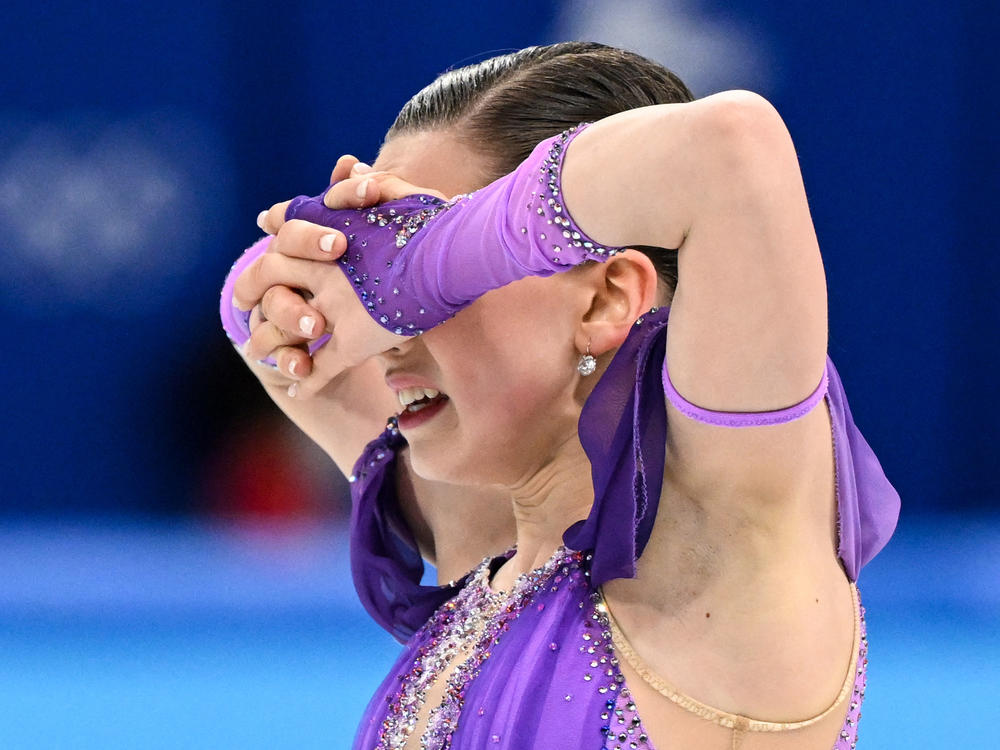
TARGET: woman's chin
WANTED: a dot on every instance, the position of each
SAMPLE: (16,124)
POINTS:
(455,456)
(455,467)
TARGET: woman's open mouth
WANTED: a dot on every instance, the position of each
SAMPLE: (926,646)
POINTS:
(419,405)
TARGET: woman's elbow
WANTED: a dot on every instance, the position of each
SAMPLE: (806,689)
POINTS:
(744,127)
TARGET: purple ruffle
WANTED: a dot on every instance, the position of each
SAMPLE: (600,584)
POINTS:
(623,429)
(385,562)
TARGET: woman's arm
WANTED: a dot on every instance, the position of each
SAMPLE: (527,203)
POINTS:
(454,526)
(743,550)
(717,179)
(343,417)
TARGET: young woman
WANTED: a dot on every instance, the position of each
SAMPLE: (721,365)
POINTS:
(691,501)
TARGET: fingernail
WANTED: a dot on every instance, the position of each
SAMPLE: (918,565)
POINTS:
(306,324)
(293,390)
(260,219)
(362,168)
(363,188)
(326,242)
(292,367)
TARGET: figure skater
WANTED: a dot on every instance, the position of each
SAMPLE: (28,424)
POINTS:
(597,311)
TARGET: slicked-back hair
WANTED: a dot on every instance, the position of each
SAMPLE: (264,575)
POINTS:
(504,106)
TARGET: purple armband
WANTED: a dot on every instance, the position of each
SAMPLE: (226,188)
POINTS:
(417,261)
(236,322)
(744,419)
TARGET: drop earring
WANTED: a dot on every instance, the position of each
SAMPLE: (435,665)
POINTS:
(587,363)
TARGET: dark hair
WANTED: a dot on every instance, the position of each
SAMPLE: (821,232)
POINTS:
(504,106)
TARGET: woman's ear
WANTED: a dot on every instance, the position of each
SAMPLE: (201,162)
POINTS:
(623,288)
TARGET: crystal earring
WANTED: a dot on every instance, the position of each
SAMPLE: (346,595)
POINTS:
(587,363)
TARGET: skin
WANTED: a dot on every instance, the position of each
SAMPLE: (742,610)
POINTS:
(743,551)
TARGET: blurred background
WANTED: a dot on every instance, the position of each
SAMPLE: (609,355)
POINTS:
(172,552)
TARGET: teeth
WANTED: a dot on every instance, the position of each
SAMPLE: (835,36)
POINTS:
(408,396)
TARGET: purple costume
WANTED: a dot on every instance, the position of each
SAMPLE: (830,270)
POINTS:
(543,671)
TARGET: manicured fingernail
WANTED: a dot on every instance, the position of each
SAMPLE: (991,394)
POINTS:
(260,219)
(306,324)
(326,242)
(363,188)
(362,168)
(293,390)
(292,367)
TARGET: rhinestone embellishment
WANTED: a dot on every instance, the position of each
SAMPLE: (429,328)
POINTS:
(551,211)
(463,630)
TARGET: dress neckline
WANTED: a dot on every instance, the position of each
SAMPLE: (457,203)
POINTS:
(483,574)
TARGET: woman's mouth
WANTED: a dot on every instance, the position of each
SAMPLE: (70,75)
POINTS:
(419,405)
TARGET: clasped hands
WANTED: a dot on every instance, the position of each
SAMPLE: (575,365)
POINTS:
(297,293)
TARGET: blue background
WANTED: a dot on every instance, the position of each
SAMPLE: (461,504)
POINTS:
(137,144)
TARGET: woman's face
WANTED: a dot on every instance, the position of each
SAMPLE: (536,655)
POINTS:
(505,366)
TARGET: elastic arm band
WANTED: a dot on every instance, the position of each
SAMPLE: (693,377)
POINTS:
(744,419)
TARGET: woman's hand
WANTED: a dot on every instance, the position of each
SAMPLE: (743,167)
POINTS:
(354,185)
(297,294)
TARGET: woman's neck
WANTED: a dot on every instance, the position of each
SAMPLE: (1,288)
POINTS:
(545,504)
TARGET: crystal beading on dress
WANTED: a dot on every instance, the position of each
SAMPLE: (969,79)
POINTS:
(416,261)
(458,627)
(539,669)
(468,626)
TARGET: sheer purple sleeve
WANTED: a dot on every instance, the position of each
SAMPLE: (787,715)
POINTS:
(417,261)
(867,504)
